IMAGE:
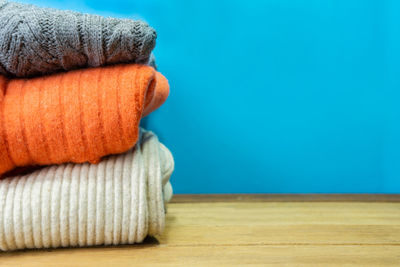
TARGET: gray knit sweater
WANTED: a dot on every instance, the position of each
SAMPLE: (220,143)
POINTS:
(38,41)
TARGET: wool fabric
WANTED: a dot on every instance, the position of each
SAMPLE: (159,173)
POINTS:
(118,201)
(78,116)
(36,41)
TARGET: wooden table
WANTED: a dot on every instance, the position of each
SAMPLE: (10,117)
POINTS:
(279,230)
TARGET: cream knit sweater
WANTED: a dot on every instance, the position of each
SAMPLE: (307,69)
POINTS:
(118,201)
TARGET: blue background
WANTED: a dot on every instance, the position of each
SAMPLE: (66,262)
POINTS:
(275,96)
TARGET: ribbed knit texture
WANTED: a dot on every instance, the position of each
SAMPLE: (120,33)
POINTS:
(118,201)
(77,116)
(36,41)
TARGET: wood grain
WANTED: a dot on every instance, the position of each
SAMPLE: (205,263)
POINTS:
(250,233)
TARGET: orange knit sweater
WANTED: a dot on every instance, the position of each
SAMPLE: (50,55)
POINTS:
(76,116)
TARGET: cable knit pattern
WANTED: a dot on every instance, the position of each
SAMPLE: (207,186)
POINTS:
(78,116)
(118,201)
(36,41)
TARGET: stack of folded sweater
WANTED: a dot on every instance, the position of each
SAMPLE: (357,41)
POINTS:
(75,167)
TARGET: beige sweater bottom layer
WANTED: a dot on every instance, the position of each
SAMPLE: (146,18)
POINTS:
(117,201)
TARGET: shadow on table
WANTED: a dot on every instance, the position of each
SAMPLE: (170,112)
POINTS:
(147,242)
